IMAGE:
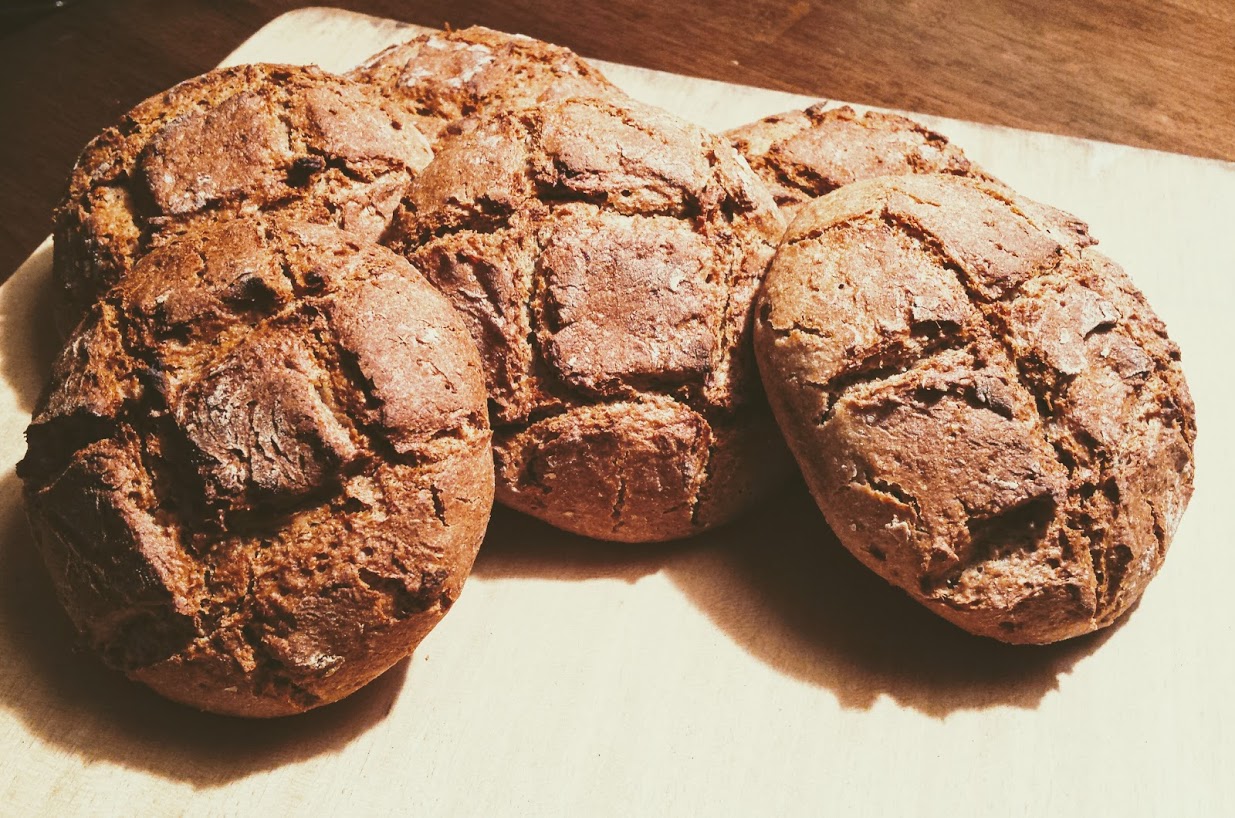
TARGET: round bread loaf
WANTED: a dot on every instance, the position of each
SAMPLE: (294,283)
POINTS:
(802,155)
(448,76)
(606,256)
(262,469)
(251,138)
(987,411)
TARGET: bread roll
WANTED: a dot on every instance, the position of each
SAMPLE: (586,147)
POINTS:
(987,411)
(262,468)
(605,255)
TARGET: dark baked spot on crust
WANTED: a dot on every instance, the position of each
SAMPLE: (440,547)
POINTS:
(1057,415)
(1019,527)
(257,512)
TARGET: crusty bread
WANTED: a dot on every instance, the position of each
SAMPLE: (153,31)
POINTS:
(986,409)
(606,255)
(245,139)
(262,468)
(802,155)
(450,76)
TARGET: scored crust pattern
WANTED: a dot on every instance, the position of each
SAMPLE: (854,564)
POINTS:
(802,155)
(605,256)
(986,409)
(262,469)
(448,76)
(251,138)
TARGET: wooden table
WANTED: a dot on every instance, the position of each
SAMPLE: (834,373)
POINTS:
(1151,74)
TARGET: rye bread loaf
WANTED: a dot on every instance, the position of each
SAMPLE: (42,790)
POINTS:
(802,155)
(254,138)
(987,411)
(605,255)
(262,468)
(450,76)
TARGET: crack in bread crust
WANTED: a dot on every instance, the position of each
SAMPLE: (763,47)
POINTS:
(235,140)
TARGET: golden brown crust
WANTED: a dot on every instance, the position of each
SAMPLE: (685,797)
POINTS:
(802,155)
(244,139)
(262,468)
(448,76)
(605,256)
(987,411)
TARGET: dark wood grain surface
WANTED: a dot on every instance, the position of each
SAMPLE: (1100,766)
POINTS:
(1151,74)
